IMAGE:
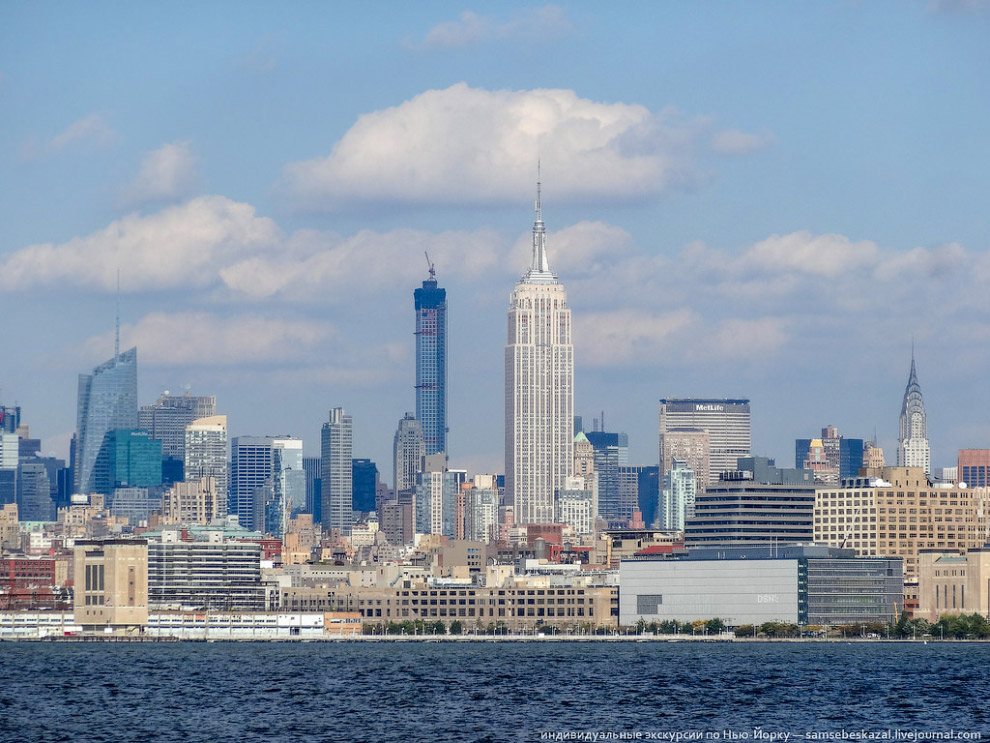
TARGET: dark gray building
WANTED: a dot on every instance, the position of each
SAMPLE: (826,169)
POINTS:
(758,504)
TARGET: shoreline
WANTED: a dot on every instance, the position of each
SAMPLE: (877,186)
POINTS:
(487,638)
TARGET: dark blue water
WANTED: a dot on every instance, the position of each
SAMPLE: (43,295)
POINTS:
(482,691)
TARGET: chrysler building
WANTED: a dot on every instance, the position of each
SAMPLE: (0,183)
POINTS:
(912,443)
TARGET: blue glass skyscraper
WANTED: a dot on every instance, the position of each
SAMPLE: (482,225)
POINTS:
(431,363)
(107,401)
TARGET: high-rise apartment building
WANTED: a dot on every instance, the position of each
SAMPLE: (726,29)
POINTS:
(107,400)
(167,418)
(205,454)
(408,450)
(337,481)
(726,421)
(431,363)
(539,388)
(912,441)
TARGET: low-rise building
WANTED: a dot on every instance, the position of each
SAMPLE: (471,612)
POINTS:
(800,585)
(951,583)
(111,584)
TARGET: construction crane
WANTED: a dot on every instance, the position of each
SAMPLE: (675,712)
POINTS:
(429,263)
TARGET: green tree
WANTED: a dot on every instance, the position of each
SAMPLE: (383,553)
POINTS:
(745,630)
(456,627)
(715,626)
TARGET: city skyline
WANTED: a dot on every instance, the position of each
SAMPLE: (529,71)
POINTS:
(777,230)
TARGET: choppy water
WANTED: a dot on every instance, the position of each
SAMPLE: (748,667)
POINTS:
(482,691)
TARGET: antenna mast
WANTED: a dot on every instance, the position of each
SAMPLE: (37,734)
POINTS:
(116,338)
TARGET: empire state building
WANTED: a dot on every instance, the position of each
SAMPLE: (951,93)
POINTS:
(539,388)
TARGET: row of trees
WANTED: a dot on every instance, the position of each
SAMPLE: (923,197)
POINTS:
(962,626)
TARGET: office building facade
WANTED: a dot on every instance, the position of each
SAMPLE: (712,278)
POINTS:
(842,456)
(539,388)
(166,420)
(107,400)
(727,423)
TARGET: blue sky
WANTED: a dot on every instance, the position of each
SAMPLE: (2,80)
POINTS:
(763,200)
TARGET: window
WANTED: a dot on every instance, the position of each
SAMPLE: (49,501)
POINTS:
(648,603)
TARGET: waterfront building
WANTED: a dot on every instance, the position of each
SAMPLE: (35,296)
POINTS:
(205,455)
(912,441)
(973,467)
(107,401)
(110,579)
(899,514)
(539,388)
(516,606)
(795,584)
(337,494)
(758,504)
(678,495)
(834,454)
(953,583)
(207,572)
(408,450)
(431,363)
(727,423)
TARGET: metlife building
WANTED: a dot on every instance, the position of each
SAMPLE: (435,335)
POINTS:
(726,421)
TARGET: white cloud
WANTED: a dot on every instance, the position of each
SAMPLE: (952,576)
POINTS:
(735,142)
(181,246)
(802,252)
(90,128)
(470,28)
(620,337)
(166,174)
(466,145)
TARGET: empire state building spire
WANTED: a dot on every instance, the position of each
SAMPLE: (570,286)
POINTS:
(539,272)
(912,443)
